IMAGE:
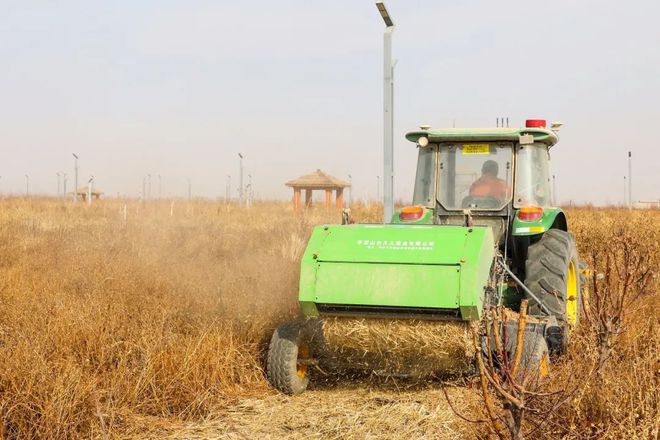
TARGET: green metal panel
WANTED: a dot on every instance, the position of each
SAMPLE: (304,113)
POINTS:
(308,308)
(411,244)
(546,136)
(476,265)
(523,228)
(410,285)
(397,265)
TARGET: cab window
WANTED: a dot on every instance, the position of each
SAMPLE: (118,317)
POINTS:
(532,176)
(475,176)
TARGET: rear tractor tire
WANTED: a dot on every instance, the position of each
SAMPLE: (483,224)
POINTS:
(289,356)
(552,274)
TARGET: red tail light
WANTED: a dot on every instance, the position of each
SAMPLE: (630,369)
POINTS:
(540,123)
(410,213)
(530,213)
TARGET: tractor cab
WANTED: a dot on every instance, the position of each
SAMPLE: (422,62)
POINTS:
(490,175)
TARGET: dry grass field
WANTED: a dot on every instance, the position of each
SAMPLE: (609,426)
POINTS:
(155,326)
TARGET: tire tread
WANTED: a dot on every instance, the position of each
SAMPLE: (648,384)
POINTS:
(282,358)
(546,271)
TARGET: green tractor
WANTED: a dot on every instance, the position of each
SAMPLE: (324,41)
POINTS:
(482,233)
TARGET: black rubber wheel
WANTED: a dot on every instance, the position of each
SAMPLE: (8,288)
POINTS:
(535,359)
(288,347)
(552,274)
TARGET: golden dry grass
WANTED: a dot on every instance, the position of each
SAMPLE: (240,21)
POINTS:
(156,316)
(622,400)
(157,326)
(414,347)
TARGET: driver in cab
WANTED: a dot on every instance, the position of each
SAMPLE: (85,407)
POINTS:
(489,185)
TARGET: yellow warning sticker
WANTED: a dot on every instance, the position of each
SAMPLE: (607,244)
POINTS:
(476,148)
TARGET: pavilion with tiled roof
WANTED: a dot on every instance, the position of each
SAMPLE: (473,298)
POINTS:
(85,191)
(318,180)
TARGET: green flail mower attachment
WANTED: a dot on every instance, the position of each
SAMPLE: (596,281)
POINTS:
(386,299)
(396,271)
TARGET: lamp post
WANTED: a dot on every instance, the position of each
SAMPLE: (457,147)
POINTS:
(90,184)
(249,192)
(388,115)
(377,188)
(630,200)
(625,189)
(75,177)
(240,180)
(228,189)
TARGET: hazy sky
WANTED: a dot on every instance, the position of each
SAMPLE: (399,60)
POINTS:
(178,88)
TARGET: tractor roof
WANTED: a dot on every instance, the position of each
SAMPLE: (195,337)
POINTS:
(544,135)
